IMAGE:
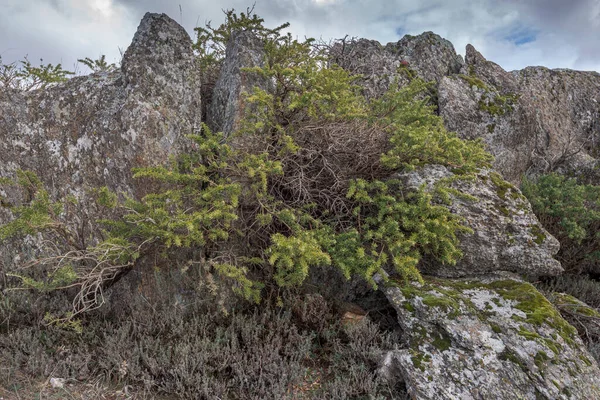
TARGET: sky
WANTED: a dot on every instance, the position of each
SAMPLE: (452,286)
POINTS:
(512,33)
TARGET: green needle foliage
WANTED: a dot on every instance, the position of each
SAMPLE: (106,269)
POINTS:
(571,212)
(25,76)
(308,183)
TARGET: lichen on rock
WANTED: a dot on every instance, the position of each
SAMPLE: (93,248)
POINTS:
(507,235)
(496,337)
(90,131)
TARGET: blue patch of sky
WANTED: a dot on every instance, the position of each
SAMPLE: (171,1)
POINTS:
(400,31)
(520,35)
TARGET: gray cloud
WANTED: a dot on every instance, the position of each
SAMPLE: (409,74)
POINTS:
(513,33)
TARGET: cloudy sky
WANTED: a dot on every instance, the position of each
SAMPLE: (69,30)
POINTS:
(513,33)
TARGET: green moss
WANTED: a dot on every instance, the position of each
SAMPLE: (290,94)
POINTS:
(446,303)
(419,358)
(442,342)
(408,307)
(537,308)
(433,297)
(509,355)
(497,104)
(491,128)
(505,211)
(555,383)
(472,80)
(585,360)
(529,335)
(516,195)
(538,233)
(540,359)
(502,186)
(553,345)
(495,327)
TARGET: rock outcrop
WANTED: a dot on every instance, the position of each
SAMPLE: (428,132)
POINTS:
(428,56)
(244,50)
(534,121)
(496,338)
(506,236)
(91,131)
(473,330)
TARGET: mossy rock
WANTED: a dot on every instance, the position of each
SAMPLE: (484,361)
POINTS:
(499,329)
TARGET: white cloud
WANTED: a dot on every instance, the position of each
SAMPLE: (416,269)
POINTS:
(561,33)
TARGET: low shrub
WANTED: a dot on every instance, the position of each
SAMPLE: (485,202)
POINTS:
(184,345)
(571,212)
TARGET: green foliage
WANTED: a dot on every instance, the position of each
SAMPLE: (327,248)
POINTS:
(571,212)
(38,213)
(473,80)
(497,104)
(283,199)
(25,76)
(59,279)
(418,136)
(97,65)
(211,42)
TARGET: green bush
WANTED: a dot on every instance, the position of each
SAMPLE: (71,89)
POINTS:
(571,212)
(314,189)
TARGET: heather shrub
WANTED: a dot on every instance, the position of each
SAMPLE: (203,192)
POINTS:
(189,348)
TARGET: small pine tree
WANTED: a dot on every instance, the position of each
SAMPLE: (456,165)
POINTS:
(317,191)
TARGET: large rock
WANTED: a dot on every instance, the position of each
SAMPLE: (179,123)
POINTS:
(506,236)
(533,121)
(497,338)
(428,56)
(91,131)
(227,108)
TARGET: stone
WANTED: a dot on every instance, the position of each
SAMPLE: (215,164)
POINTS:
(428,56)
(496,337)
(533,121)
(507,235)
(57,383)
(244,50)
(92,130)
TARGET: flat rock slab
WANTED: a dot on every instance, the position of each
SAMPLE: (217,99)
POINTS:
(487,339)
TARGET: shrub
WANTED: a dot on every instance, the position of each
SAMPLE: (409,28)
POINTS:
(25,76)
(313,189)
(187,347)
(571,212)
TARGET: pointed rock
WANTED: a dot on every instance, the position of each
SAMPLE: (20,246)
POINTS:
(92,130)
(428,56)
(244,50)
